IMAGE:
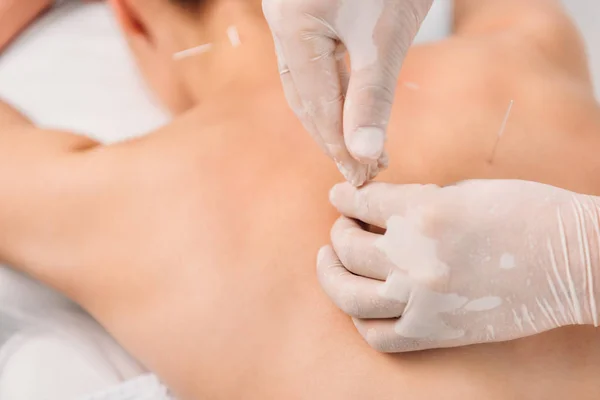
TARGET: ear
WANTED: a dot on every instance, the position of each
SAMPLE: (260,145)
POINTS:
(136,30)
(131,21)
(140,22)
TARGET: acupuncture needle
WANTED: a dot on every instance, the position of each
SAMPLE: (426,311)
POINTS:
(501,132)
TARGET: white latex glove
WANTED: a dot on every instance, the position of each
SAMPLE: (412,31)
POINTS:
(482,261)
(347,115)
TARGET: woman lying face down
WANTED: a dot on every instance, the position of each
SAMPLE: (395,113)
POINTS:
(195,246)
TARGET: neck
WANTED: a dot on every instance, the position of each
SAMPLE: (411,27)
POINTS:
(224,64)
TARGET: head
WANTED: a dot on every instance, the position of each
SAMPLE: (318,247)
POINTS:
(157,29)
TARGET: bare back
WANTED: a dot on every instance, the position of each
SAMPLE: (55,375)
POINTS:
(227,271)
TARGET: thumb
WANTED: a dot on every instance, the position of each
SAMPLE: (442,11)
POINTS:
(374,76)
(367,110)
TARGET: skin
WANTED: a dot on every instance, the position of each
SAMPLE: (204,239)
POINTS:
(195,246)
(17,15)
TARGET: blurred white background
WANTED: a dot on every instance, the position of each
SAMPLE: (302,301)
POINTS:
(587,15)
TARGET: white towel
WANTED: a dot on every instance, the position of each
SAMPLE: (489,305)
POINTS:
(145,387)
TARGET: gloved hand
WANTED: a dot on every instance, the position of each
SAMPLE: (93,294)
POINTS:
(482,261)
(347,115)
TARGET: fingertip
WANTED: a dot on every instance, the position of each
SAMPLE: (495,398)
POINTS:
(366,144)
(357,324)
(355,173)
(340,192)
(379,334)
(333,193)
(329,269)
(324,253)
(384,161)
(342,227)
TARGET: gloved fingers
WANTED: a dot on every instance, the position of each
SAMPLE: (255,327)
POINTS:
(383,161)
(366,116)
(377,202)
(320,88)
(375,70)
(381,335)
(372,169)
(313,60)
(373,203)
(291,94)
(356,296)
(276,15)
(343,71)
(358,250)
